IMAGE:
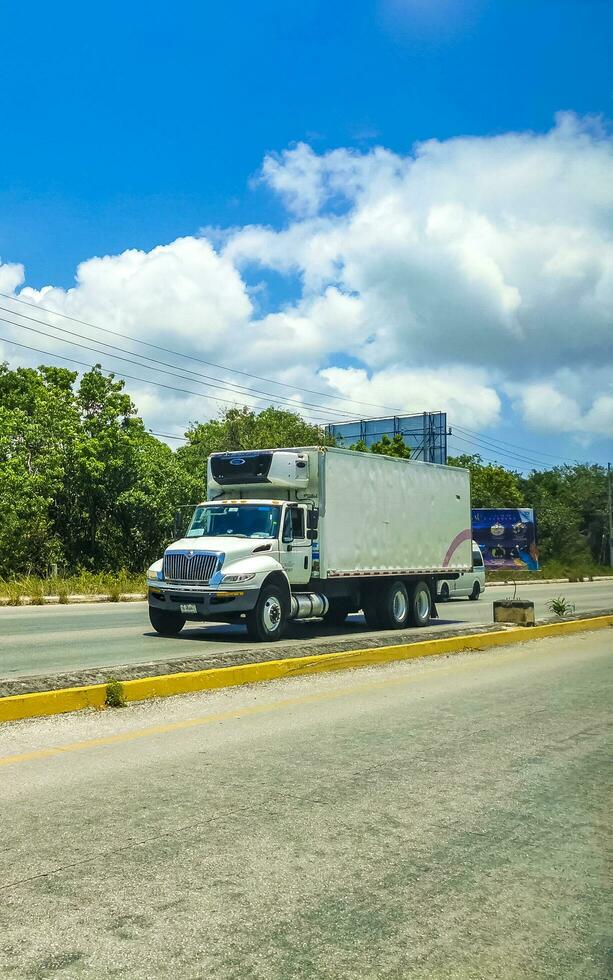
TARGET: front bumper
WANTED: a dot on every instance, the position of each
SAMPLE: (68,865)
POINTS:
(210,604)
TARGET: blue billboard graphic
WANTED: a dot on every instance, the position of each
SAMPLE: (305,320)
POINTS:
(507,537)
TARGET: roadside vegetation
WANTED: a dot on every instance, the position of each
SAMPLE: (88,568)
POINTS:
(36,589)
(87,492)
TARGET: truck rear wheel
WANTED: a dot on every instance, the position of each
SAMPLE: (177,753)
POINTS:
(420,604)
(266,623)
(166,623)
(394,606)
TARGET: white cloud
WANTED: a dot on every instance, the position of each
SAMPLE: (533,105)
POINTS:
(470,267)
(11,276)
(548,408)
(461,392)
(185,289)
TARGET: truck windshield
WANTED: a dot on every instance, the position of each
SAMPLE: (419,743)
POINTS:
(242,521)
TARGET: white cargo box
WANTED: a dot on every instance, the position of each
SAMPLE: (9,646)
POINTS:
(380,515)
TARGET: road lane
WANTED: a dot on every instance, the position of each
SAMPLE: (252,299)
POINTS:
(442,818)
(44,639)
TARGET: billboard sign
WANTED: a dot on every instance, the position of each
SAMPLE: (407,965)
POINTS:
(425,434)
(507,537)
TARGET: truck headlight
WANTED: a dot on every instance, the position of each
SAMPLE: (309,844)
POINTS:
(153,573)
(244,577)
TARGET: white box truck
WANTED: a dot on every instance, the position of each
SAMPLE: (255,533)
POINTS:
(315,533)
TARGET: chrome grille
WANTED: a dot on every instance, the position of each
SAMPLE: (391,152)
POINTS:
(185,566)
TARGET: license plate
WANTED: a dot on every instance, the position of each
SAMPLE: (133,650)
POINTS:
(188,607)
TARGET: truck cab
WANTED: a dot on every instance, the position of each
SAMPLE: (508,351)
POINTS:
(235,546)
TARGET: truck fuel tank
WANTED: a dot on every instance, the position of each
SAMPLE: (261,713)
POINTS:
(306,605)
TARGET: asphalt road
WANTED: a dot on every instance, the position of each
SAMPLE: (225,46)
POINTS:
(45,639)
(443,818)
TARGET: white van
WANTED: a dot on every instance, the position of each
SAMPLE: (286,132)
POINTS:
(469,584)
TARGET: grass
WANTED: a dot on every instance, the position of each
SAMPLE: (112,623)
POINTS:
(552,569)
(112,584)
(114,694)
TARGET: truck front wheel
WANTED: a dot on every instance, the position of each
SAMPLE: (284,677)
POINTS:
(267,621)
(166,623)
(420,605)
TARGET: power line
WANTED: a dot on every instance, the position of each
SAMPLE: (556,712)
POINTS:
(242,390)
(96,350)
(130,377)
(193,357)
(501,452)
(160,384)
(459,450)
(494,443)
(166,435)
(322,410)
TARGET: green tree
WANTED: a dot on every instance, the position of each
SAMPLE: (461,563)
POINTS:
(242,428)
(81,481)
(395,446)
(38,424)
(491,485)
(122,485)
(570,502)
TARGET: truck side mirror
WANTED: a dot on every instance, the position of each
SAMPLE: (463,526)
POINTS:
(311,535)
(312,520)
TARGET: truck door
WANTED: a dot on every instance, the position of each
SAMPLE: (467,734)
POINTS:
(295,546)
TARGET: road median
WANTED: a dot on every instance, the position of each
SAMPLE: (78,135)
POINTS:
(66,699)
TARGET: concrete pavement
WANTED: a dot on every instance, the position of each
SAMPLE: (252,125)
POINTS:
(38,640)
(441,818)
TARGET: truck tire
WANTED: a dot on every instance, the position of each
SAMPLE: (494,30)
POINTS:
(444,593)
(420,604)
(476,592)
(338,611)
(166,623)
(267,621)
(394,606)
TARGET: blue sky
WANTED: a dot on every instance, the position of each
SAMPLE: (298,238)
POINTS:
(129,125)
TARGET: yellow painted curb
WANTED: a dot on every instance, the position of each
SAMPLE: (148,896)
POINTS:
(165,685)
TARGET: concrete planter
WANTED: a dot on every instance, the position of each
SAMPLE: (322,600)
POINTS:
(518,612)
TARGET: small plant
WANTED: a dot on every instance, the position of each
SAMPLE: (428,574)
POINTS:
(114,592)
(62,593)
(561,606)
(13,591)
(37,595)
(115,697)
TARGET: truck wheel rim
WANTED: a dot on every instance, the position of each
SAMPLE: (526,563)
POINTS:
(423,604)
(272,613)
(399,606)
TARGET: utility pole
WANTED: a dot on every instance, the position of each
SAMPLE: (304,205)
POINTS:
(610,511)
